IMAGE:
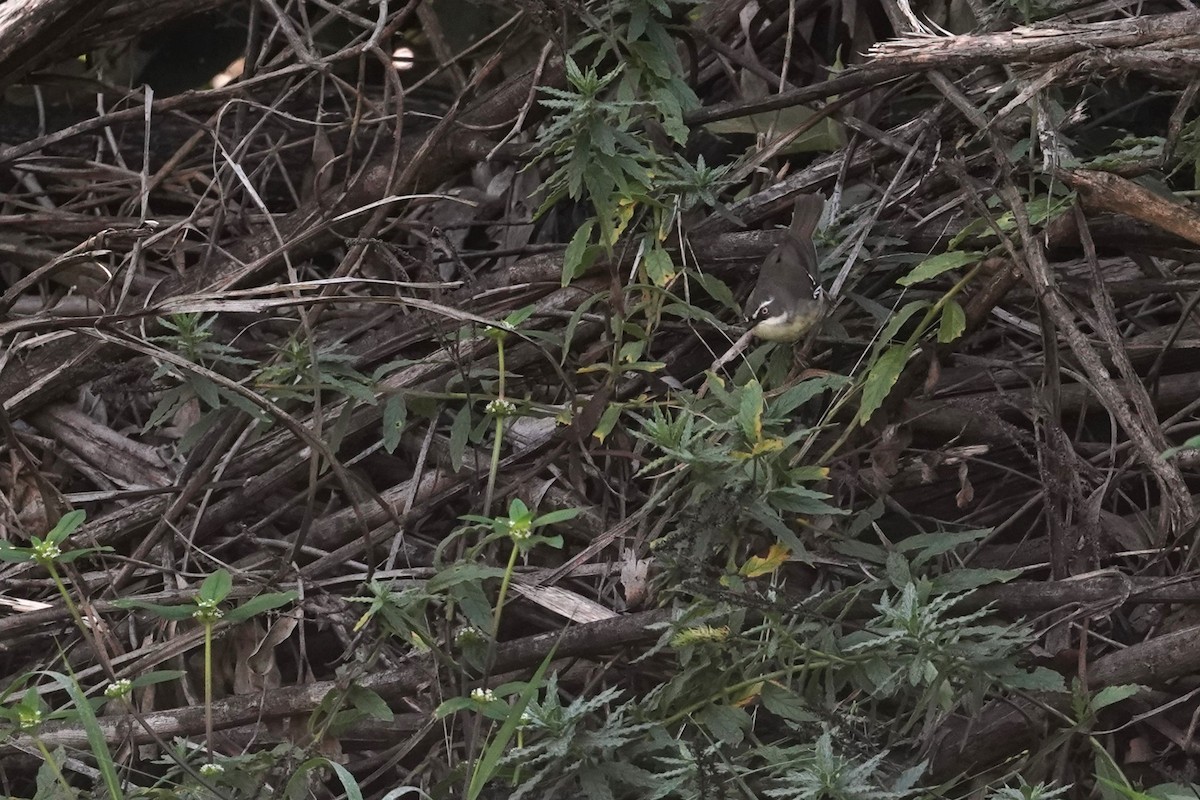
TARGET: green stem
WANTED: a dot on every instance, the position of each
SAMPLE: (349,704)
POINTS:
(498,439)
(66,596)
(208,721)
(508,573)
(49,759)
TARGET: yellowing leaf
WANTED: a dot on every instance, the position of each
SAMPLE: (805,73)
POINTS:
(760,448)
(625,209)
(608,421)
(756,567)
(659,268)
(747,695)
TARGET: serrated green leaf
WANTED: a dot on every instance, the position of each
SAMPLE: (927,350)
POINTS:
(208,392)
(717,290)
(486,766)
(1110,695)
(786,704)
(880,380)
(899,319)
(965,579)
(369,703)
(1040,679)
(750,409)
(953,323)
(801,500)
(726,723)
(659,268)
(574,260)
(897,570)
(462,572)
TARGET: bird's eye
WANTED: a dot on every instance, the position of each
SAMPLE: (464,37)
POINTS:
(763,310)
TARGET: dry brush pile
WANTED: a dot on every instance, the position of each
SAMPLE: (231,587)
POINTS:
(425,368)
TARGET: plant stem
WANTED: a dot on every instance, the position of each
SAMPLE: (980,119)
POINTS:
(508,573)
(498,440)
(72,609)
(50,762)
(208,722)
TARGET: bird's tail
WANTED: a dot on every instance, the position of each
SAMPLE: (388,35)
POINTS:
(806,215)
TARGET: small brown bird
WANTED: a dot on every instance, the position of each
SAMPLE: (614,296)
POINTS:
(787,302)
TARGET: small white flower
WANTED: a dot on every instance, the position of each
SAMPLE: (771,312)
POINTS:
(502,408)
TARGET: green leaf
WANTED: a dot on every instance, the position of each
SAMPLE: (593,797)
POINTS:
(1040,679)
(163,612)
(608,421)
(208,392)
(561,515)
(486,766)
(517,509)
(899,319)
(725,722)
(789,705)
(460,429)
(1110,695)
(460,573)
(801,500)
(932,545)
(157,676)
(14,555)
(395,414)
(897,570)
(803,392)
(717,290)
(300,780)
(1173,791)
(932,267)
(97,745)
(1192,443)
(475,604)
(369,703)
(257,605)
(750,410)
(964,579)
(453,706)
(216,587)
(575,261)
(880,380)
(72,555)
(659,268)
(67,524)
(954,322)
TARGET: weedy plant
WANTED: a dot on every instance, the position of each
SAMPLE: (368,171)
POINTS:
(206,610)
